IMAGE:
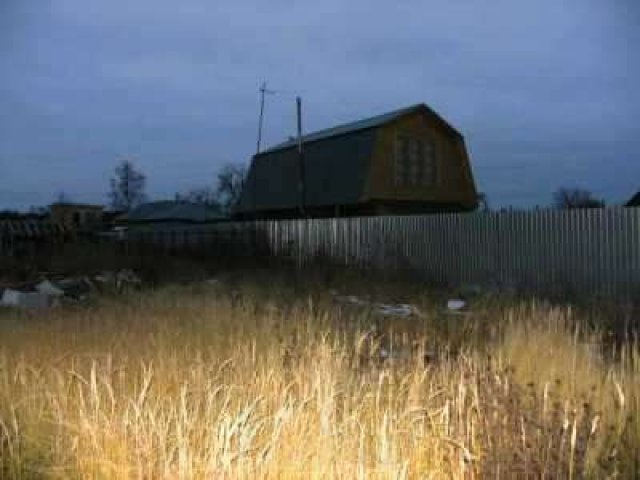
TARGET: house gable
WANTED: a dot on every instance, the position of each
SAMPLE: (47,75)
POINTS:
(449,179)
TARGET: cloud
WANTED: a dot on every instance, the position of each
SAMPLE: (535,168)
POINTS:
(548,86)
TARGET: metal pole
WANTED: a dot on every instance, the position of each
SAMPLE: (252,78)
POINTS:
(301,179)
(263,89)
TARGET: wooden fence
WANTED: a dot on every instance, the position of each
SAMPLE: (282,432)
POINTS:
(18,235)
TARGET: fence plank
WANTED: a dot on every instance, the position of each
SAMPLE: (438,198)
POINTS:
(590,251)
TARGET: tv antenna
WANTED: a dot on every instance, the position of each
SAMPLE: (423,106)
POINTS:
(263,92)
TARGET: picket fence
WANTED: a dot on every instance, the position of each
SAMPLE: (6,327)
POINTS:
(591,251)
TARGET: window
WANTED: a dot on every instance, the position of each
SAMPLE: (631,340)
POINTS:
(415,162)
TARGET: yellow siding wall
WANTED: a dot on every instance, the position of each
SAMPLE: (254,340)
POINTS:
(454,178)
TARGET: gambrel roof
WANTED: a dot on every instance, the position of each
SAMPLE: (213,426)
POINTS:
(371,122)
(336,164)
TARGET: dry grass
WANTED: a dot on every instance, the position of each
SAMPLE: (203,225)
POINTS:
(261,382)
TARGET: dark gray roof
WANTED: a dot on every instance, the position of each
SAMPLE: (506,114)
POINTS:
(168,210)
(78,205)
(366,123)
(335,174)
(635,201)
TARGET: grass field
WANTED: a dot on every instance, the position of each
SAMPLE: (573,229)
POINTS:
(267,377)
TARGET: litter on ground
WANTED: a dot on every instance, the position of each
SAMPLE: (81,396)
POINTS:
(456,304)
(392,310)
(46,292)
(31,300)
(399,310)
(48,288)
(351,299)
(118,280)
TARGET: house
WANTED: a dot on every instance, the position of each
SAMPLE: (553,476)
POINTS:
(76,216)
(635,201)
(160,220)
(170,212)
(402,162)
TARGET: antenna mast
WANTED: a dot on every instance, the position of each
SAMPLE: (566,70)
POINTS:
(263,91)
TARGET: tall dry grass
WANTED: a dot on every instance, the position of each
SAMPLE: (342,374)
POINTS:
(261,382)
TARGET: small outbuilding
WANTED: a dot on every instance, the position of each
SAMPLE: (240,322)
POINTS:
(169,212)
(403,162)
(76,216)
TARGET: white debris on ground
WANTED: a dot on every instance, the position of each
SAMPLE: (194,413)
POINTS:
(456,304)
(350,299)
(399,310)
(31,300)
(127,278)
(118,280)
(394,354)
(49,292)
(105,277)
(457,307)
(392,310)
(45,287)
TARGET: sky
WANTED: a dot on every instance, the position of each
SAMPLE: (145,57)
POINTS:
(544,91)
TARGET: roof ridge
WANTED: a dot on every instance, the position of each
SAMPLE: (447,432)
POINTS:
(392,113)
(353,126)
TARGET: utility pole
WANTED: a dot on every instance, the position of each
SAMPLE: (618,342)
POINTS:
(263,91)
(301,185)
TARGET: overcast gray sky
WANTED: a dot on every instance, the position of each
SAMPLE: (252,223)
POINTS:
(545,91)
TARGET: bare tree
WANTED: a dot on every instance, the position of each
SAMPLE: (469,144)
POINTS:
(225,193)
(127,187)
(231,180)
(571,198)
